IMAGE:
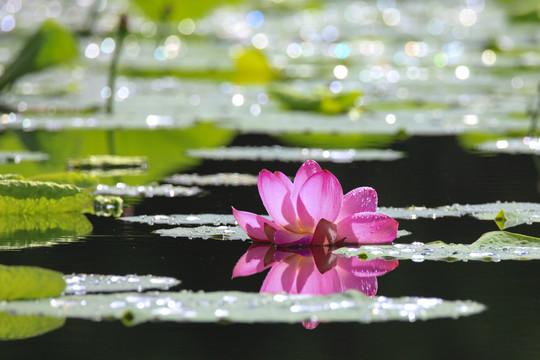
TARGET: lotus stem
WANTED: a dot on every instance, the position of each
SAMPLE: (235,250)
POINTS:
(121,34)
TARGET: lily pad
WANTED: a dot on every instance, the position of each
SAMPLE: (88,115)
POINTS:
(220,179)
(18,156)
(350,306)
(31,197)
(518,212)
(105,162)
(108,205)
(77,179)
(278,153)
(16,327)
(28,282)
(166,190)
(526,145)
(222,232)
(80,284)
(492,246)
(199,219)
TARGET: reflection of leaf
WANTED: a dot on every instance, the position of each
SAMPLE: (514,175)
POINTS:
(18,231)
(492,246)
(28,282)
(135,308)
(320,100)
(51,45)
(15,327)
(18,196)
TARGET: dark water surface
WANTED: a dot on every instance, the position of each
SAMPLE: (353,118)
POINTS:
(436,171)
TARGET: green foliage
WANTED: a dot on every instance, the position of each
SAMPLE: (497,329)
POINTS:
(19,196)
(16,327)
(504,239)
(252,67)
(108,205)
(320,100)
(29,282)
(51,45)
(176,10)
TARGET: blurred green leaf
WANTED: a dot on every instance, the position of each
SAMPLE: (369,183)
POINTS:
(51,45)
(77,179)
(29,282)
(16,327)
(176,10)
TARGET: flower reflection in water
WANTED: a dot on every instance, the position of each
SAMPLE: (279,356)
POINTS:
(312,270)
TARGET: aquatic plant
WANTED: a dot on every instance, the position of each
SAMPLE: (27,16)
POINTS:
(313,210)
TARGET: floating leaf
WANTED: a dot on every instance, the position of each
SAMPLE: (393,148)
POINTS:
(252,67)
(525,145)
(176,10)
(222,232)
(320,100)
(16,327)
(220,179)
(108,205)
(11,177)
(28,282)
(18,196)
(107,162)
(278,153)
(199,219)
(166,190)
(18,231)
(350,306)
(492,246)
(80,284)
(18,156)
(77,179)
(517,212)
(52,44)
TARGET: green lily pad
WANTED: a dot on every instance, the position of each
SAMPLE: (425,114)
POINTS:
(198,219)
(80,284)
(18,156)
(220,179)
(77,179)
(219,307)
(32,197)
(107,162)
(492,246)
(19,231)
(28,282)
(525,145)
(17,327)
(278,153)
(222,232)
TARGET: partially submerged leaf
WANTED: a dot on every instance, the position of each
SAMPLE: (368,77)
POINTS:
(19,196)
(17,327)
(80,284)
(220,179)
(239,307)
(278,153)
(166,190)
(492,246)
(29,282)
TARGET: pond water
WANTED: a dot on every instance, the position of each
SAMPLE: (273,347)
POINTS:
(441,96)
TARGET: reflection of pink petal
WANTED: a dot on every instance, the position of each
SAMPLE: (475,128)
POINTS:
(282,276)
(311,281)
(366,285)
(276,199)
(252,261)
(320,198)
(362,199)
(310,325)
(253,224)
(287,238)
(324,258)
(367,228)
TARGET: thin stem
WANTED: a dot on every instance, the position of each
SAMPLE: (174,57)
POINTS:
(534,115)
(121,34)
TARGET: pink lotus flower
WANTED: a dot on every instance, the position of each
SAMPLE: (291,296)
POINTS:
(313,210)
(312,270)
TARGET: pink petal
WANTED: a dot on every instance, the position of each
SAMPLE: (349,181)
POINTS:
(310,325)
(367,228)
(252,261)
(287,238)
(284,180)
(362,199)
(276,198)
(253,224)
(320,198)
(307,169)
(325,233)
